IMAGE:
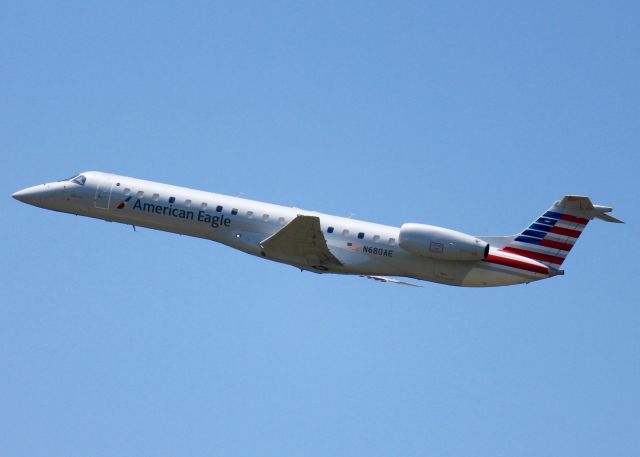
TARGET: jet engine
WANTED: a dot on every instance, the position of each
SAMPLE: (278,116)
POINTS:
(441,243)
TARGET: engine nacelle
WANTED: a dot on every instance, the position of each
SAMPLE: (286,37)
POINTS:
(441,243)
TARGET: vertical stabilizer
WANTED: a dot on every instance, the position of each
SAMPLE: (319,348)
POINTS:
(550,238)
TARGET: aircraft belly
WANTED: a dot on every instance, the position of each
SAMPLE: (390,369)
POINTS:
(486,275)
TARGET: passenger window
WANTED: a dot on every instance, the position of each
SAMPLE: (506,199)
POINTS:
(392,241)
(265,217)
(360,235)
(187,203)
(345,232)
(376,238)
(234,211)
(281,220)
(127,191)
(330,230)
(249,214)
(203,205)
(155,197)
(172,199)
(140,194)
(219,209)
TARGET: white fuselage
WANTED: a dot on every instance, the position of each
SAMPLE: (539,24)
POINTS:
(363,248)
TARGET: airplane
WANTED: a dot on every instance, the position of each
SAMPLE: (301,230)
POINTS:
(323,243)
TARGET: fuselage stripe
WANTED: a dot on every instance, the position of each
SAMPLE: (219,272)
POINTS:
(507,262)
(534,255)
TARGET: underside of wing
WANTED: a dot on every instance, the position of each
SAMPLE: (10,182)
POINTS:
(302,242)
(391,280)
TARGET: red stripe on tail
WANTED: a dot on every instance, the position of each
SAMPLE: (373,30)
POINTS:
(565,232)
(535,255)
(556,245)
(577,220)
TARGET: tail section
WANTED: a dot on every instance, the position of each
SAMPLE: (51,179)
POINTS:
(550,238)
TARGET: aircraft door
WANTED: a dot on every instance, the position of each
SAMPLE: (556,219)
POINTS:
(103,193)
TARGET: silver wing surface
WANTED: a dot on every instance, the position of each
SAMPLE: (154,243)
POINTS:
(391,280)
(301,242)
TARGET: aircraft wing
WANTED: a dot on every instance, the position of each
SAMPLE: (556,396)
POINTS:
(392,280)
(301,240)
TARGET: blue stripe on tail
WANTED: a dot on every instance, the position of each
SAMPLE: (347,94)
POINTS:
(540,227)
(546,220)
(527,239)
(552,214)
(534,233)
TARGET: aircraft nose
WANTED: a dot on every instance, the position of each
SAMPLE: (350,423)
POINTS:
(31,195)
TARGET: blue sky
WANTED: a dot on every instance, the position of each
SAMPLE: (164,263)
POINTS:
(475,116)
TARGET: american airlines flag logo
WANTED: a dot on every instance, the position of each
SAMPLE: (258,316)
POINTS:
(436,247)
(353,247)
(549,239)
(124,202)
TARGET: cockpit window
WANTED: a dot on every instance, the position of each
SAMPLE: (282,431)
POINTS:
(80,179)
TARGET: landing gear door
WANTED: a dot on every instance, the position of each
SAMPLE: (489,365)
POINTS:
(103,193)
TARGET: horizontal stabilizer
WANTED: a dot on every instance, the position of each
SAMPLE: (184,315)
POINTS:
(582,206)
(601,213)
(608,218)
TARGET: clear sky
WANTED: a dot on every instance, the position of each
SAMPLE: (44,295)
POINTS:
(470,115)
